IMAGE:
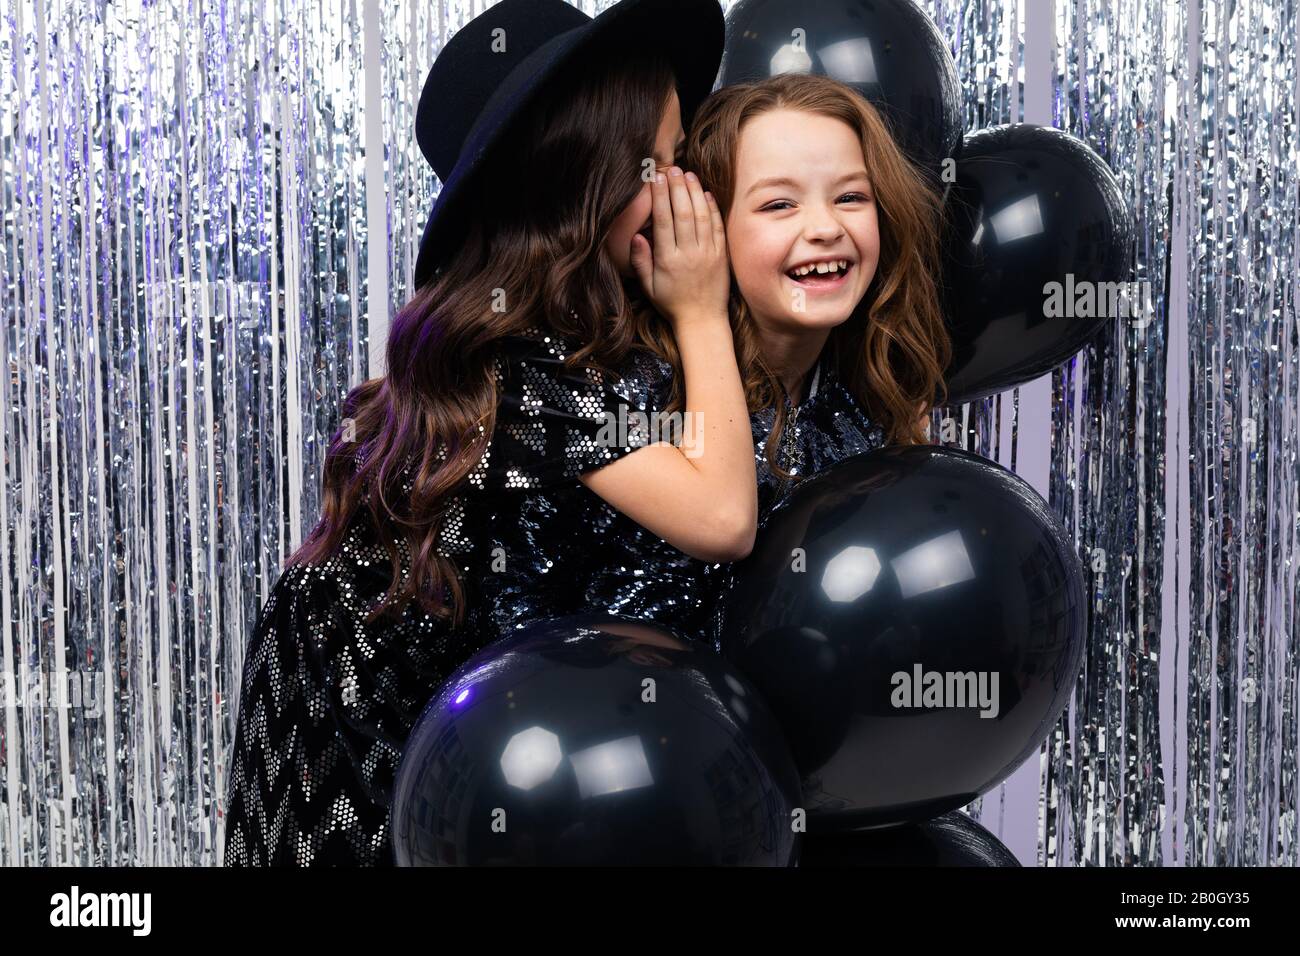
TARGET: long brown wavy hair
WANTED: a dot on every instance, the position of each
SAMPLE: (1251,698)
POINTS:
(891,353)
(542,208)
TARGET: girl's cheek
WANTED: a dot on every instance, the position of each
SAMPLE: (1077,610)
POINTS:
(750,267)
(755,255)
(628,223)
(642,204)
(870,237)
(635,213)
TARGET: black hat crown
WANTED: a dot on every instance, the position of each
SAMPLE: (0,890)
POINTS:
(493,68)
(474,65)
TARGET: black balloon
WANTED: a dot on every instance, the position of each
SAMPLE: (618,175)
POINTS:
(1030,206)
(953,839)
(888,50)
(543,750)
(873,583)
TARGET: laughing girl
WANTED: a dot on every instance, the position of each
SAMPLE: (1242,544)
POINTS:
(833,240)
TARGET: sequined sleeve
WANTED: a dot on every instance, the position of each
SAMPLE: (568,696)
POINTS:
(555,423)
(326,704)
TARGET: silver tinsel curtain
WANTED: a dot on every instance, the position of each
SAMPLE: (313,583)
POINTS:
(189,288)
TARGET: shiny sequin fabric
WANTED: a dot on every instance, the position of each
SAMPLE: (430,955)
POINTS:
(327,701)
(828,426)
(326,704)
(558,548)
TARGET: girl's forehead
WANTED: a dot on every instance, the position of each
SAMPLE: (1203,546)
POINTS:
(797,146)
(783,131)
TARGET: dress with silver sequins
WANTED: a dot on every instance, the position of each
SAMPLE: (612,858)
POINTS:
(327,700)
(827,427)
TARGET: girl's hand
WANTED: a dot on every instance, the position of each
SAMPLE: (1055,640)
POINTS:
(686,274)
(704,504)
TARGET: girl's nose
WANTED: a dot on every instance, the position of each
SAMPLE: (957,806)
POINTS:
(821,224)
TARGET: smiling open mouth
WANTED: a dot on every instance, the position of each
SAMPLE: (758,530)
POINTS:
(823,275)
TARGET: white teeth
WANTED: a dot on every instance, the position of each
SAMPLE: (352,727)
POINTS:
(821,267)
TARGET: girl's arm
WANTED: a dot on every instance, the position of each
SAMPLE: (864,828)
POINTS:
(702,497)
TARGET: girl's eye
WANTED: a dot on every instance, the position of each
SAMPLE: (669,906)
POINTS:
(784,203)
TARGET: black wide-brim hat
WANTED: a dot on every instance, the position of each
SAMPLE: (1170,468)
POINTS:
(475,90)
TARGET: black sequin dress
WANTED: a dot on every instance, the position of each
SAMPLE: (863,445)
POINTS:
(327,700)
(826,427)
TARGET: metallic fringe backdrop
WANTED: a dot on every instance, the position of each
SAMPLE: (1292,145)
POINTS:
(189,189)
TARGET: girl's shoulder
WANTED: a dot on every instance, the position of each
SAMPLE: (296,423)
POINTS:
(639,378)
(556,420)
(535,378)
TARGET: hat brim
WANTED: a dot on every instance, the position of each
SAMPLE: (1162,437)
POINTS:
(689,33)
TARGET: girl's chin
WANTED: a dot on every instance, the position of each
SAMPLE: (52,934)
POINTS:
(816,317)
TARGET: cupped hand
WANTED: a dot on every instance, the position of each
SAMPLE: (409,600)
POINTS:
(686,273)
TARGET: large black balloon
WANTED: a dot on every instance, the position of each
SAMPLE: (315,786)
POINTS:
(953,839)
(541,750)
(888,50)
(1030,206)
(908,560)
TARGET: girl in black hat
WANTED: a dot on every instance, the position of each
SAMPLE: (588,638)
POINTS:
(509,465)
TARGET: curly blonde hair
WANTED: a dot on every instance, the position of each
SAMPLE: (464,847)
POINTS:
(892,352)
